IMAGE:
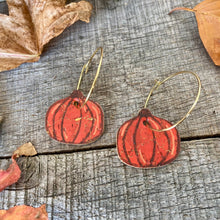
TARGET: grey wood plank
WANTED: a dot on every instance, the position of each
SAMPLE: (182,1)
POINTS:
(96,185)
(141,43)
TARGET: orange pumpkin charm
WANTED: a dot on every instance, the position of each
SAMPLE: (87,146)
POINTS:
(68,121)
(141,147)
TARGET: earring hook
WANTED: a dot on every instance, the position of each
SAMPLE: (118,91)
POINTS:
(158,83)
(85,70)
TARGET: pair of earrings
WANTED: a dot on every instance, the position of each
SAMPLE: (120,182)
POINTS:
(144,141)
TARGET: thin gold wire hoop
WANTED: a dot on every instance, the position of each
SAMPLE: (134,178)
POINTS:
(85,70)
(158,83)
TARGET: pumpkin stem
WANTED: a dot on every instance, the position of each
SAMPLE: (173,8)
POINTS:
(145,112)
(181,8)
(77,94)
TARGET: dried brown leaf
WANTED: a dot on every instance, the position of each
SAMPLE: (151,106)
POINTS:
(208,19)
(33,23)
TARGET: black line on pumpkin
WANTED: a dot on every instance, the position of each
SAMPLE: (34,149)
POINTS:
(78,130)
(177,137)
(119,150)
(101,123)
(47,114)
(102,115)
(177,151)
(54,131)
(154,149)
(134,140)
(123,140)
(155,144)
(90,130)
(178,142)
(168,142)
(64,113)
(172,131)
(102,118)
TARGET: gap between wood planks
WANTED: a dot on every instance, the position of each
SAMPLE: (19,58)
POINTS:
(204,137)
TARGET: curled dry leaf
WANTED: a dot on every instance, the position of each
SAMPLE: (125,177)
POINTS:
(13,173)
(33,23)
(208,19)
(24,212)
(9,176)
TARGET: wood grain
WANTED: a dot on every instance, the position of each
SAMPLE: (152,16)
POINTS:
(96,185)
(141,43)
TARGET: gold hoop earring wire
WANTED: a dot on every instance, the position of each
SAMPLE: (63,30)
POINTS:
(85,70)
(158,83)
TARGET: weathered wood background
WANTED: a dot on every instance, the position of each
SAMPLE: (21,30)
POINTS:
(141,43)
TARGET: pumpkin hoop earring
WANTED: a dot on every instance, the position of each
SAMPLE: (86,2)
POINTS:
(147,141)
(76,119)
(158,83)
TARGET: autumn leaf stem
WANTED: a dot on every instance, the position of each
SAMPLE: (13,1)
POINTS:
(181,8)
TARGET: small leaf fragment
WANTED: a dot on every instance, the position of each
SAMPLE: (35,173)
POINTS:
(24,212)
(25,150)
(208,19)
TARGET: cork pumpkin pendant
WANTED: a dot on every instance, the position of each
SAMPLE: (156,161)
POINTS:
(139,146)
(69,121)
(147,141)
(76,119)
